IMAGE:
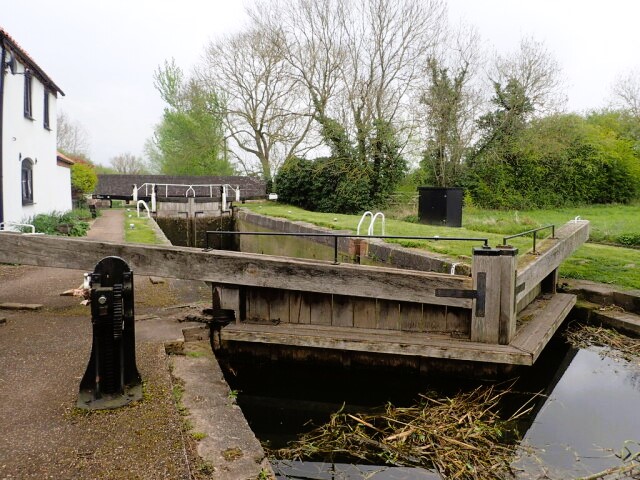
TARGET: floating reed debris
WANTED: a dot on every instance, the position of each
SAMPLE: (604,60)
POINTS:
(463,437)
(629,469)
(617,344)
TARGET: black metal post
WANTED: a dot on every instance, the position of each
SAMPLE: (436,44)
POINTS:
(111,379)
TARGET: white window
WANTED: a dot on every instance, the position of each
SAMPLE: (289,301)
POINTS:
(27,181)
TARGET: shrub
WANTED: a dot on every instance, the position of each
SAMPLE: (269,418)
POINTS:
(555,161)
(629,239)
(323,185)
(69,223)
(83,178)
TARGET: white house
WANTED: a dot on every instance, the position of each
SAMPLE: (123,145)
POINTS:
(32,178)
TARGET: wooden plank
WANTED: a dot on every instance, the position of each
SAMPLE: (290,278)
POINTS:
(319,308)
(507,321)
(388,315)
(257,305)
(527,299)
(485,316)
(342,311)
(458,322)
(435,318)
(235,268)
(229,297)
(361,340)
(545,316)
(364,313)
(278,304)
(299,310)
(535,269)
(411,317)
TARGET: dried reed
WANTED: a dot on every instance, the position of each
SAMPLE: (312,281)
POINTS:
(462,437)
(617,345)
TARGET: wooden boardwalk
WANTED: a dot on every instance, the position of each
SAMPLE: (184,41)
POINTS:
(505,313)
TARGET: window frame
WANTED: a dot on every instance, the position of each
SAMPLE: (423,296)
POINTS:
(28,94)
(26,180)
(45,113)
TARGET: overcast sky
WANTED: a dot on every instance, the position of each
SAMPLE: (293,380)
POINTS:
(103,53)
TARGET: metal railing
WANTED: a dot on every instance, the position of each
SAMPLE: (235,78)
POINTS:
(189,190)
(4,225)
(535,235)
(336,236)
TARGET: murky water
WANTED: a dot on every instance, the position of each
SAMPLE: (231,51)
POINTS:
(590,415)
(588,411)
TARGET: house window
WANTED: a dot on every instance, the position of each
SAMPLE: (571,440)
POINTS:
(28,112)
(45,116)
(27,181)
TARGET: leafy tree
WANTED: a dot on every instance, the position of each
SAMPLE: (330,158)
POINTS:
(525,83)
(190,138)
(445,102)
(554,161)
(83,178)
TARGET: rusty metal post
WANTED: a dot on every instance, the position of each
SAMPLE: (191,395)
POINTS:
(111,379)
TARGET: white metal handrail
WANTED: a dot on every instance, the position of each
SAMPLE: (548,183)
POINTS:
(364,215)
(371,223)
(146,207)
(15,224)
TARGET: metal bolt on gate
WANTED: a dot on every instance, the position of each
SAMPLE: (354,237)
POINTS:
(111,379)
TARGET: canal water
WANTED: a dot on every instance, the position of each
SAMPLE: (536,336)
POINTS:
(587,410)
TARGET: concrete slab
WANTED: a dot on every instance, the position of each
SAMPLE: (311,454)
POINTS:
(229,447)
(603,294)
(611,317)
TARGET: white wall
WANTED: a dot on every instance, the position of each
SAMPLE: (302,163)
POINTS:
(25,138)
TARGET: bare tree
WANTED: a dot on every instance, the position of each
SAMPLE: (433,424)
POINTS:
(626,92)
(358,60)
(537,73)
(72,138)
(127,163)
(267,114)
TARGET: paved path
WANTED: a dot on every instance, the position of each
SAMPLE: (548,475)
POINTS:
(109,226)
(42,358)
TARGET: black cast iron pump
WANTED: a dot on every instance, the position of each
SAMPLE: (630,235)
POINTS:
(111,379)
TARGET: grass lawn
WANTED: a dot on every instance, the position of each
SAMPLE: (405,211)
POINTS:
(599,263)
(142,231)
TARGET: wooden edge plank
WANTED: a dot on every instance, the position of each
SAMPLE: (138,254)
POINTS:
(569,238)
(428,348)
(537,332)
(234,268)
